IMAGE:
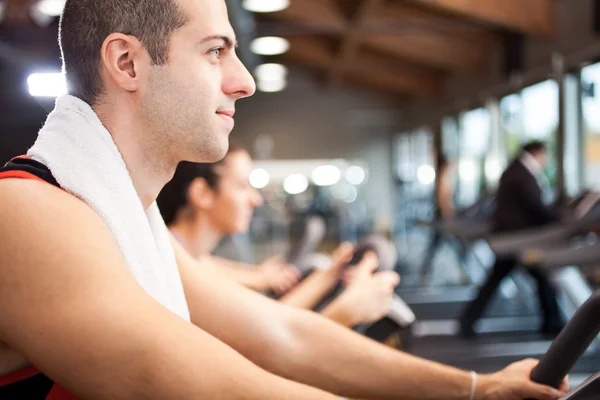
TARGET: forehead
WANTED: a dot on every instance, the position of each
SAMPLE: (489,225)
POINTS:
(207,17)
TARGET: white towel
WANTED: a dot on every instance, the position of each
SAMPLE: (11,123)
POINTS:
(86,162)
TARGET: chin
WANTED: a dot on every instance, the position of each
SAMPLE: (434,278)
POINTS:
(209,151)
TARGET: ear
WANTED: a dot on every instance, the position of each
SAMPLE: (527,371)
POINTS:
(201,195)
(125,61)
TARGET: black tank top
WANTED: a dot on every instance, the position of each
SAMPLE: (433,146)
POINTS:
(29,383)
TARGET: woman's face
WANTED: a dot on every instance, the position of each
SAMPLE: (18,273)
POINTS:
(234,199)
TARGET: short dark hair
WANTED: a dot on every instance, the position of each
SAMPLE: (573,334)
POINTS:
(174,195)
(534,147)
(85,24)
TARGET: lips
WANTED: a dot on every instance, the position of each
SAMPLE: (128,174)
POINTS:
(227,118)
(226,113)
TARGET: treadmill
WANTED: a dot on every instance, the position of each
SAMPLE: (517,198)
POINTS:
(469,225)
(437,307)
(490,350)
(522,315)
(573,352)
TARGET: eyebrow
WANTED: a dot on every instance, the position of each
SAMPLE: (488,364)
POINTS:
(229,43)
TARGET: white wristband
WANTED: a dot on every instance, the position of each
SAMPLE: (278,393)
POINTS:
(473,385)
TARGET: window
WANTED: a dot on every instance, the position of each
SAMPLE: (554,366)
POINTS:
(540,119)
(590,77)
(474,145)
(529,115)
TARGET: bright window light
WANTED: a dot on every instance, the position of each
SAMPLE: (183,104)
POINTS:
(493,170)
(269,45)
(326,175)
(466,170)
(265,5)
(426,174)
(52,8)
(355,175)
(47,85)
(259,178)
(269,86)
(271,72)
(295,184)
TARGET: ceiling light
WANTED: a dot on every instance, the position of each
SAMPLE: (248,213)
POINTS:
(265,6)
(326,175)
(271,86)
(351,195)
(269,45)
(271,72)
(52,8)
(355,175)
(47,85)
(295,184)
(259,178)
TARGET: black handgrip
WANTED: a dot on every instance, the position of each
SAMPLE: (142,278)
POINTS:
(570,344)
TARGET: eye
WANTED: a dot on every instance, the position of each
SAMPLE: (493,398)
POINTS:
(216,52)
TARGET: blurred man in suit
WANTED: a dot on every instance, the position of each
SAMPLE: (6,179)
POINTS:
(520,205)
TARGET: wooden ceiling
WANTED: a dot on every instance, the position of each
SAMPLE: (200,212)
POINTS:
(404,47)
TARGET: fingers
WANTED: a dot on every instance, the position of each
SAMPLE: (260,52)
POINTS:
(532,390)
(367,265)
(342,255)
(529,389)
(564,386)
(389,279)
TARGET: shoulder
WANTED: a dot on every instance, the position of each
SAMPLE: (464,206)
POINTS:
(37,204)
(44,226)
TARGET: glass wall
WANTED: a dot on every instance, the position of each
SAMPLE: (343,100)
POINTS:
(540,119)
(511,124)
(529,115)
(474,145)
(450,138)
(590,77)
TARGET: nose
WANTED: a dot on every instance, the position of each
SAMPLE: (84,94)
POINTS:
(237,80)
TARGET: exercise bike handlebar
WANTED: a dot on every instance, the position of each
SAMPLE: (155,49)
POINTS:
(570,344)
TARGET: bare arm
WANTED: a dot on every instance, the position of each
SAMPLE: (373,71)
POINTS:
(317,285)
(305,347)
(250,277)
(308,293)
(70,306)
(445,201)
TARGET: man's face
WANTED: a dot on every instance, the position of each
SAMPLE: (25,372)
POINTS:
(190,101)
(541,158)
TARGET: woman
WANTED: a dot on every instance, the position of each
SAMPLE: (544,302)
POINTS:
(204,202)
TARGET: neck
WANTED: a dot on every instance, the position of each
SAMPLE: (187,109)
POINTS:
(197,235)
(145,159)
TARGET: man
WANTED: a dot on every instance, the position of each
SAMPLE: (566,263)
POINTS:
(520,205)
(163,77)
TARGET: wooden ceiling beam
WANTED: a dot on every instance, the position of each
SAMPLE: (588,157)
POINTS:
(318,13)
(378,71)
(433,40)
(352,40)
(534,17)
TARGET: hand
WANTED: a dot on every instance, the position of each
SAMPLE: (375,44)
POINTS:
(368,295)
(340,259)
(279,276)
(513,383)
